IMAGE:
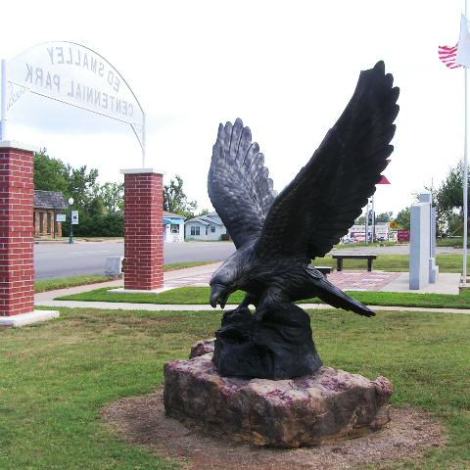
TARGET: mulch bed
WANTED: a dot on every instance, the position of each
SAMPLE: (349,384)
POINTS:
(142,421)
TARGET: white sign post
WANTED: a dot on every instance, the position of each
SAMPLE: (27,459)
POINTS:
(74,217)
(60,218)
(73,74)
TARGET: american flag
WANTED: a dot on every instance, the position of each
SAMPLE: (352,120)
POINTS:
(448,56)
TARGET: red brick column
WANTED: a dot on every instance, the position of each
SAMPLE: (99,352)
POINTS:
(16,231)
(143,229)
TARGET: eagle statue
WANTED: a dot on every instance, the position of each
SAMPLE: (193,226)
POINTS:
(278,236)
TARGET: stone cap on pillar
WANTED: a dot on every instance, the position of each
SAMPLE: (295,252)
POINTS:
(14,144)
(425,196)
(140,171)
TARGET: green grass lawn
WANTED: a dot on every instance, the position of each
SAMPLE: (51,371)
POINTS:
(200,295)
(43,285)
(455,242)
(57,376)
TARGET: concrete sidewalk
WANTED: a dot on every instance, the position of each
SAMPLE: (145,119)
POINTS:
(447,283)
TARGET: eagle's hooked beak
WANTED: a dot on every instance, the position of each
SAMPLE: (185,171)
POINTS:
(219,295)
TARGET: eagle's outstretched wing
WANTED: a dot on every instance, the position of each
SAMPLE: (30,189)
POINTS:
(239,187)
(316,209)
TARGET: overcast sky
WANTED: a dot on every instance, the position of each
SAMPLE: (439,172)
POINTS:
(287,68)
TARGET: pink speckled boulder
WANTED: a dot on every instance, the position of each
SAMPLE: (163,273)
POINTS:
(202,347)
(283,413)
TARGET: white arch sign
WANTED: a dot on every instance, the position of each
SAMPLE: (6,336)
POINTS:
(73,74)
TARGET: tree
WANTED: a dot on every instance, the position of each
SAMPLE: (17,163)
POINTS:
(449,194)
(204,211)
(112,195)
(99,206)
(50,174)
(175,199)
(384,217)
(83,186)
(403,218)
(449,201)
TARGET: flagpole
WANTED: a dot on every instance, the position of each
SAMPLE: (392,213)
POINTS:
(465,177)
(373,218)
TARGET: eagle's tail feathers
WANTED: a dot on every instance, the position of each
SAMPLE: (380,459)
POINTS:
(337,298)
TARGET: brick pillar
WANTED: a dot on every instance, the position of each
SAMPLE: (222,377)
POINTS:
(143,229)
(16,230)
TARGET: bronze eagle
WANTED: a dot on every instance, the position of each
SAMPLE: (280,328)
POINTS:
(277,237)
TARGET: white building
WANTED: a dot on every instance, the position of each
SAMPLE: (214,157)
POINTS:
(174,227)
(382,232)
(205,227)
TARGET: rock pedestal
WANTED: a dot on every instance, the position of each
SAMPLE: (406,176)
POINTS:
(283,413)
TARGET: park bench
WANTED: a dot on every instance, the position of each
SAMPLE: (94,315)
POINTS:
(324,269)
(339,260)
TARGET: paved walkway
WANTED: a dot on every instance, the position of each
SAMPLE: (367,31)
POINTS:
(361,280)
(346,280)
(447,283)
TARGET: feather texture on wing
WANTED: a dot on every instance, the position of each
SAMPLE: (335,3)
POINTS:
(316,209)
(239,187)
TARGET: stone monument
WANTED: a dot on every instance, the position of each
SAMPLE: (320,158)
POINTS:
(262,376)
(423,268)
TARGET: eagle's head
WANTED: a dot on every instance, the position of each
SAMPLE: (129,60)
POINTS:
(224,282)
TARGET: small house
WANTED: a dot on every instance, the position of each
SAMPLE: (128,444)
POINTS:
(205,227)
(173,225)
(47,204)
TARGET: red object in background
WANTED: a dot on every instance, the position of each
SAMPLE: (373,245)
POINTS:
(448,56)
(403,235)
(384,180)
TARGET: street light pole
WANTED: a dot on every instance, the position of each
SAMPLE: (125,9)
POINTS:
(366,224)
(71,201)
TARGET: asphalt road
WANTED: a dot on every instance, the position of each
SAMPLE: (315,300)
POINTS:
(62,259)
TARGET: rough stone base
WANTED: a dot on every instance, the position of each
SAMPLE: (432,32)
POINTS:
(283,413)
